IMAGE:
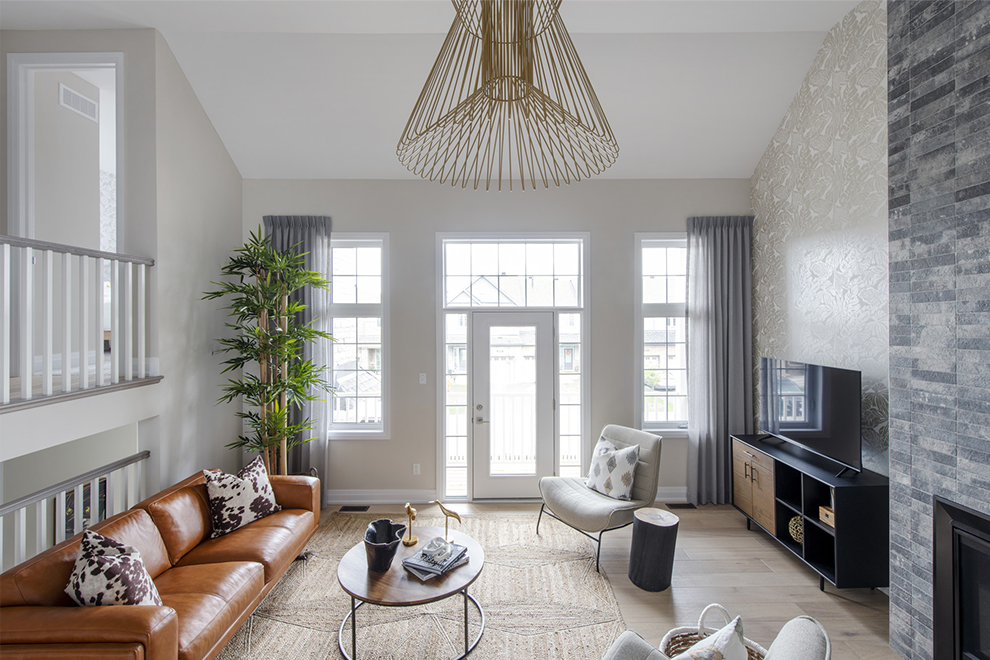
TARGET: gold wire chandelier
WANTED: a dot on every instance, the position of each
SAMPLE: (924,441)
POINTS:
(507,101)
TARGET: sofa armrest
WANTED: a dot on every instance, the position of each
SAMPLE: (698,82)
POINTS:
(297,492)
(155,628)
(630,646)
(801,638)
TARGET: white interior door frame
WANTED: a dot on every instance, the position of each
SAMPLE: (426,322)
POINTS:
(21,68)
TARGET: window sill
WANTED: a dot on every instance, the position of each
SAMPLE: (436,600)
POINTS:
(358,435)
(669,434)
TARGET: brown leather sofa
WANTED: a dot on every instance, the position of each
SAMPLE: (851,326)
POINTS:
(209,586)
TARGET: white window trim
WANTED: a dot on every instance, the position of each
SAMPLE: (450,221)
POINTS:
(584,310)
(672,239)
(362,310)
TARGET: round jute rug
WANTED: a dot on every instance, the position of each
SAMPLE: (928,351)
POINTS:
(541,595)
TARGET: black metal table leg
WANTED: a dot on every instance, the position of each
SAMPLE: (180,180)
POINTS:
(353,629)
(466,650)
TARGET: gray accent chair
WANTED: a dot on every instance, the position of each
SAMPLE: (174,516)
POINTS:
(801,638)
(570,501)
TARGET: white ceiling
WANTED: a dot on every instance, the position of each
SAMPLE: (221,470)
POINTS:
(321,89)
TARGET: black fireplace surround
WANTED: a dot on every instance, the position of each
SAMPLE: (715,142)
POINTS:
(961,583)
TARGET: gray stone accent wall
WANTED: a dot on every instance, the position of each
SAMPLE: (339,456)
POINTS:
(939,223)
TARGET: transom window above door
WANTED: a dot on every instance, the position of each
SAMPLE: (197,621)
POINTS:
(513,273)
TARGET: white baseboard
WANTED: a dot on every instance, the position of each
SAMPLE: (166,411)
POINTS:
(672,494)
(370,496)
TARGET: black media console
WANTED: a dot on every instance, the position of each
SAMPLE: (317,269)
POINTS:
(852,553)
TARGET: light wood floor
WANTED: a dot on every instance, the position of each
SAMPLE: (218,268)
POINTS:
(719,560)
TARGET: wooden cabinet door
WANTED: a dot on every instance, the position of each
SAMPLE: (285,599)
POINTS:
(763,497)
(742,485)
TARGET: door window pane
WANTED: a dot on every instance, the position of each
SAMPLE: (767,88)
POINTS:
(512,400)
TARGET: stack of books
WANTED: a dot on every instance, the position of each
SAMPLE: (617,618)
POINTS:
(427,566)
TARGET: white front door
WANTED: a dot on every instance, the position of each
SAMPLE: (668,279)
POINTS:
(512,406)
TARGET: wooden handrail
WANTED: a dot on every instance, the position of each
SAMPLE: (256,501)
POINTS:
(17,241)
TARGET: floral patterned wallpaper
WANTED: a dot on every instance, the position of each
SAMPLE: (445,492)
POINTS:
(820,235)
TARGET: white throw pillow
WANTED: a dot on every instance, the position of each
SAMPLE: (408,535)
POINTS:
(725,644)
(612,469)
(236,500)
(110,573)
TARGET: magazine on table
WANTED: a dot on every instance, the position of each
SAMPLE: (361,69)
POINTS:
(426,562)
(424,576)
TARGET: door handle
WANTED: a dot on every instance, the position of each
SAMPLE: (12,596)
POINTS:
(745,470)
(755,476)
(480,420)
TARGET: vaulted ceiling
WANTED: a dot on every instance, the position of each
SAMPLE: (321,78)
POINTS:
(321,89)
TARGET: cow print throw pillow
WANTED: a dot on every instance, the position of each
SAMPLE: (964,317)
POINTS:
(110,573)
(238,500)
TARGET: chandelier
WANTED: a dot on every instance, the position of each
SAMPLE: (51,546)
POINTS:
(507,102)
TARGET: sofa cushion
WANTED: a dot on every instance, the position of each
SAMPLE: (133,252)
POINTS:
(182,514)
(107,572)
(274,542)
(41,580)
(237,500)
(581,507)
(208,600)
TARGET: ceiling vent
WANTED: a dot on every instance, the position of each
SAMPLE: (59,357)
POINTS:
(73,100)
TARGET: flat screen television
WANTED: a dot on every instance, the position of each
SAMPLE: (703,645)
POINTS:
(814,407)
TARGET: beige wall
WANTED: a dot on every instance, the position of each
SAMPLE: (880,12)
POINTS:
(413,211)
(66,164)
(199,223)
(820,200)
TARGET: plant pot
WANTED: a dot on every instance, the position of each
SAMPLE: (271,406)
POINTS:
(381,540)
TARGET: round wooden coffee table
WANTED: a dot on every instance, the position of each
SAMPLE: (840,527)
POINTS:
(399,588)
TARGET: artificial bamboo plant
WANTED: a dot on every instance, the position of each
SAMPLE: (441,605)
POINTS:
(267,346)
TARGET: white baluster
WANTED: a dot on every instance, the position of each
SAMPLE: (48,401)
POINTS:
(78,510)
(115,343)
(140,320)
(125,487)
(6,321)
(20,536)
(84,298)
(66,322)
(98,319)
(40,526)
(129,321)
(111,495)
(27,324)
(60,517)
(47,321)
(94,501)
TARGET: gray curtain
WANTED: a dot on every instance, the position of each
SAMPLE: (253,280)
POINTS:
(720,350)
(310,234)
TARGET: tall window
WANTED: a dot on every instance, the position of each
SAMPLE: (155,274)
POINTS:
(661,331)
(359,311)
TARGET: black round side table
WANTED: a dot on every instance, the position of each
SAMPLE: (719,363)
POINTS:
(651,556)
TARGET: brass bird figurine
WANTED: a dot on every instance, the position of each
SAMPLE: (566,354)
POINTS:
(410,540)
(448,514)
